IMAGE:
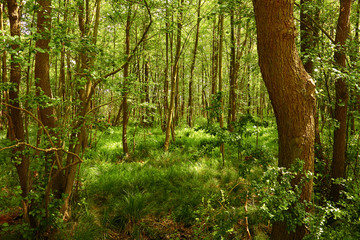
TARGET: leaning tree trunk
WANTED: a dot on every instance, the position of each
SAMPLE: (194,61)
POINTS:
(339,147)
(291,91)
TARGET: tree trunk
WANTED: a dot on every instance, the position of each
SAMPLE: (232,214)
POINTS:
(125,93)
(3,95)
(15,118)
(233,75)
(221,117)
(166,71)
(192,68)
(173,79)
(42,63)
(214,67)
(291,91)
(340,113)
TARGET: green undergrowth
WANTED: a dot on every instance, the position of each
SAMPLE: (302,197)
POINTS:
(186,189)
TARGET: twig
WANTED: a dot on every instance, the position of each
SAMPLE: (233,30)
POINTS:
(246,218)
(133,51)
(97,107)
(47,150)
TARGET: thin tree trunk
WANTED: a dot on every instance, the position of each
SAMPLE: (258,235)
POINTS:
(221,117)
(233,75)
(173,78)
(3,95)
(126,75)
(192,68)
(166,71)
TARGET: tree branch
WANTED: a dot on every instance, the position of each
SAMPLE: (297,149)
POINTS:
(42,126)
(133,51)
(317,25)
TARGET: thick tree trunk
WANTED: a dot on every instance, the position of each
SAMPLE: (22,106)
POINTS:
(291,91)
(339,148)
(15,118)
(42,63)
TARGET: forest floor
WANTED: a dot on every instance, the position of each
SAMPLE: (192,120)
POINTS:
(185,193)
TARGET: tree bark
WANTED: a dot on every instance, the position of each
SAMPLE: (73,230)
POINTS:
(341,104)
(291,91)
(42,63)
(15,118)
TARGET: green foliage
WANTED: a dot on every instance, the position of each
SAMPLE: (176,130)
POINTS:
(279,196)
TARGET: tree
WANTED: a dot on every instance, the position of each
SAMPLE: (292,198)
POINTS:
(15,118)
(192,68)
(125,107)
(291,91)
(174,77)
(341,104)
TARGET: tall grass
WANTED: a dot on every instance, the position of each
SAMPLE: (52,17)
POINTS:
(186,185)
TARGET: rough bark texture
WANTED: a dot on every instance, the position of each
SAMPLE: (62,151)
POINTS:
(340,113)
(291,91)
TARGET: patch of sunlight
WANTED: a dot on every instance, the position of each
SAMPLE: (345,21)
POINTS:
(111,146)
(200,134)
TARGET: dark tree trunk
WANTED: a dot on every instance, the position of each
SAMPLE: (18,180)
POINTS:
(291,91)
(340,113)
(42,63)
(15,118)
(233,76)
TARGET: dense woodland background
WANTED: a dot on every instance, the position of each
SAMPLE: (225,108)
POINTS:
(179,119)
